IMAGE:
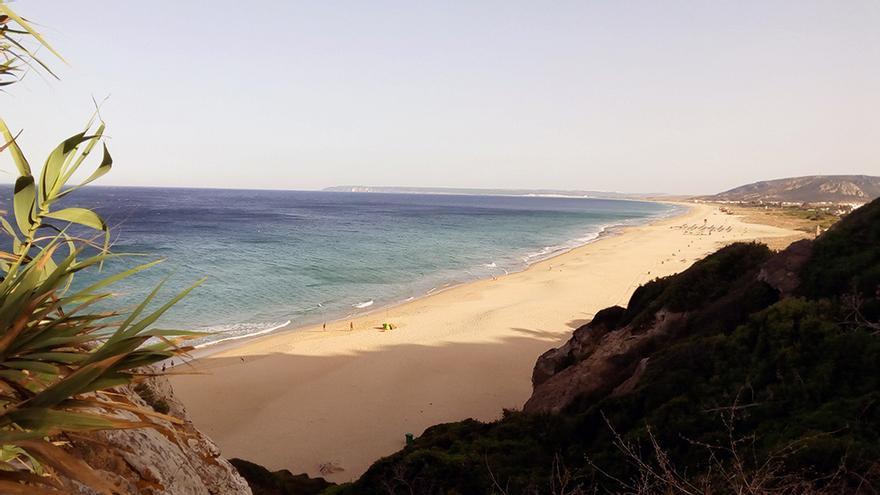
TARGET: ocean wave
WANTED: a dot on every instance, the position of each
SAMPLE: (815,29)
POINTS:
(239,331)
(550,251)
(316,307)
(491,265)
(362,305)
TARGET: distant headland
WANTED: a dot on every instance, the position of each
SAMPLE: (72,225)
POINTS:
(493,192)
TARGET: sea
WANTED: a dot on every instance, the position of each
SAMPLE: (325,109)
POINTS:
(276,259)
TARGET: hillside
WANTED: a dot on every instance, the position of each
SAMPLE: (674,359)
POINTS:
(750,372)
(837,189)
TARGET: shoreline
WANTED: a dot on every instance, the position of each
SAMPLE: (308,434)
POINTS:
(306,398)
(210,348)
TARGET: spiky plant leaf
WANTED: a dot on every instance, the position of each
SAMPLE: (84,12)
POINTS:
(24,203)
(68,465)
(81,216)
(11,145)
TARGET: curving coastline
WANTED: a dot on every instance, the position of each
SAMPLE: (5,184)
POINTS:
(366,307)
(310,398)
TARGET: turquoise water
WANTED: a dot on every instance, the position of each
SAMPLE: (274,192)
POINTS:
(273,257)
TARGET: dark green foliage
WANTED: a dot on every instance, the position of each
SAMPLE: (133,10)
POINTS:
(798,370)
(265,482)
(707,280)
(713,276)
(462,457)
(846,257)
(793,381)
(645,300)
(611,317)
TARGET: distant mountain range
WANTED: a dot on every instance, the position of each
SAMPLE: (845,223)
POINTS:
(808,189)
(490,192)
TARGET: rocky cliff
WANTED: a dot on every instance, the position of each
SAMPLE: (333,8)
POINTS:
(172,458)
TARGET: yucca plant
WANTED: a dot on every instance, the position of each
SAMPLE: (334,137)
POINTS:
(16,54)
(57,354)
(60,358)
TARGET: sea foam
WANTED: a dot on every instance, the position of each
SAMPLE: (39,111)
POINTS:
(239,331)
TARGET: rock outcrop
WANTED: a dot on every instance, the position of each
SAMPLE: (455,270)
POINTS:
(167,459)
(598,358)
(782,272)
(607,356)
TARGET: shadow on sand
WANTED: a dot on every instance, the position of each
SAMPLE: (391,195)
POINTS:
(348,409)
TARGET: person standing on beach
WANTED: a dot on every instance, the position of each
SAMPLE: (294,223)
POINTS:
(350,325)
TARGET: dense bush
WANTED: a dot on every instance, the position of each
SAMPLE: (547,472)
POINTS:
(846,258)
(707,280)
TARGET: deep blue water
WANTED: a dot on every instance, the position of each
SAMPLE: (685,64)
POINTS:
(274,256)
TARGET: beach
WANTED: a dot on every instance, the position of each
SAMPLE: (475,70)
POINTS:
(331,402)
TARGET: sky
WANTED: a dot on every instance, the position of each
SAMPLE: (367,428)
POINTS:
(681,97)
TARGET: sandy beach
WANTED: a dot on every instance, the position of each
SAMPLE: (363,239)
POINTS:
(341,399)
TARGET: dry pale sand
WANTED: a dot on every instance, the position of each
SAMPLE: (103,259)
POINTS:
(306,398)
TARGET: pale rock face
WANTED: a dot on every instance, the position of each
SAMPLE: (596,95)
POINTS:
(166,460)
(593,361)
(845,188)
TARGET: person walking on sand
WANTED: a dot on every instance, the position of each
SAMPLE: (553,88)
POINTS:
(350,326)
(325,327)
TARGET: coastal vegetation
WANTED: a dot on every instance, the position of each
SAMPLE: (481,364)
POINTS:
(60,358)
(19,42)
(803,218)
(753,372)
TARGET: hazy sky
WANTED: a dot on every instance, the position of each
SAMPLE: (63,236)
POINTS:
(680,97)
